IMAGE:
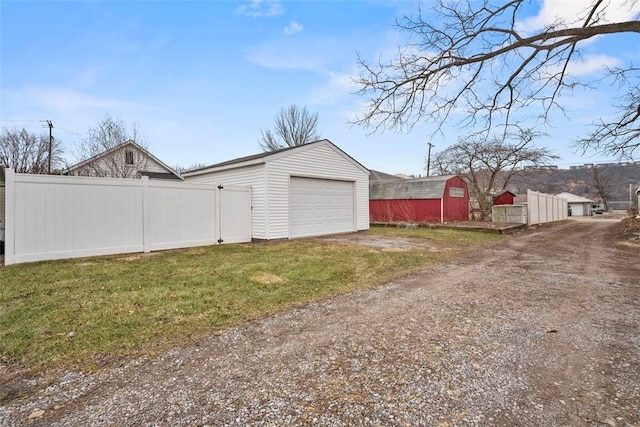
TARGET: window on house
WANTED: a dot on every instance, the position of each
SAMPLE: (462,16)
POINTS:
(128,157)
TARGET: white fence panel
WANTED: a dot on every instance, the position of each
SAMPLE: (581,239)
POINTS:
(543,208)
(53,217)
(181,215)
(235,214)
(63,217)
(2,207)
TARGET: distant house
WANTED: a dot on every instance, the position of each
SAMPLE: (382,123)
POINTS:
(578,206)
(126,160)
(434,199)
(504,198)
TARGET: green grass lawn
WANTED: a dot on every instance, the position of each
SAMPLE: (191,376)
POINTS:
(85,312)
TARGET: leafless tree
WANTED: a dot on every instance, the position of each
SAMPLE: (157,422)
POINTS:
(601,180)
(108,135)
(294,126)
(475,65)
(489,165)
(26,152)
(182,169)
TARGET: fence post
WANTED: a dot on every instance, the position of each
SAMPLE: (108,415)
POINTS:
(146,226)
(9,216)
(529,194)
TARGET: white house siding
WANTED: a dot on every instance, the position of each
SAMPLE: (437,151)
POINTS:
(146,165)
(250,176)
(153,166)
(319,161)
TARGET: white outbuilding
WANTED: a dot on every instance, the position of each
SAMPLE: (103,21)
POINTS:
(578,206)
(308,190)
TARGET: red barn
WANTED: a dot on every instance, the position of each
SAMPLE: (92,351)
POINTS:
(504,198)
(434,199)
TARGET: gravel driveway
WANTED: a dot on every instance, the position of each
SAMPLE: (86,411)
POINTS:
(541,330)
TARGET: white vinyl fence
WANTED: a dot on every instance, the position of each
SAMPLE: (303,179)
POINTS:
(52,217)
(543,208)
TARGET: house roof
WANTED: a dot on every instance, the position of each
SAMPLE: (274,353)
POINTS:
(572,198)
(417,188)
(119,147)
(265,157)
(381,176)
(503,192)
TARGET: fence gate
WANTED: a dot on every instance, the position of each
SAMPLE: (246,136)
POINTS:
(235,214)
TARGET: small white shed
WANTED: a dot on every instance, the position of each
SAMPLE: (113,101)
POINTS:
(308,190)
(578,206)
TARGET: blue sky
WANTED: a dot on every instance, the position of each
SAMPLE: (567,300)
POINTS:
(202,78)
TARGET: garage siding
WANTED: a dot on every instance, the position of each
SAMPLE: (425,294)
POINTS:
(320,161)
(250,176)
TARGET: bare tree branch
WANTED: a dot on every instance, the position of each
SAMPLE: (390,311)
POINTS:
(473,63)
(294,126)
(26,152)
(105,136)
(601,180)
(489,165)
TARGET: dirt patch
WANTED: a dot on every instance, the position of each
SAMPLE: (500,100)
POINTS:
(626,232)
(138,256)
(266,278)
(384,243)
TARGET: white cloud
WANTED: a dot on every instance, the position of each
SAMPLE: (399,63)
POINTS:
(292,28)
(61,100)
(572,12)
(592,64)
(261,8)
(288,60)
(338,87)
(294,54)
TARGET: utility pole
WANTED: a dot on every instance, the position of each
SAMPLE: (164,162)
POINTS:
(50,124)
(429,158)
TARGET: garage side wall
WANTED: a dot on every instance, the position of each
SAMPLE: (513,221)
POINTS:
(250,176)
(319,162)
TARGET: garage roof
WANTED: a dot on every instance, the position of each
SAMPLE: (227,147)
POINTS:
(418,188)
(269,156)
(572,198)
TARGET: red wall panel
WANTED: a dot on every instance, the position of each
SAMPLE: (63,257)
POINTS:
(453,208)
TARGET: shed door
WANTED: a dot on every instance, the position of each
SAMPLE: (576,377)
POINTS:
(320,206)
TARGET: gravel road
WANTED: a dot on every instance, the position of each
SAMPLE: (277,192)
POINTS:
(541,330)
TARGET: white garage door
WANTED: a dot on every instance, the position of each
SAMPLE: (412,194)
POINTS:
(577,209)
(320,206)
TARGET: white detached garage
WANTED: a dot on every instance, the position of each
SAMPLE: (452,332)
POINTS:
(309,190)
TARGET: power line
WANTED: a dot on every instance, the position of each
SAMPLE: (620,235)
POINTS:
(25,121)
(66,130)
